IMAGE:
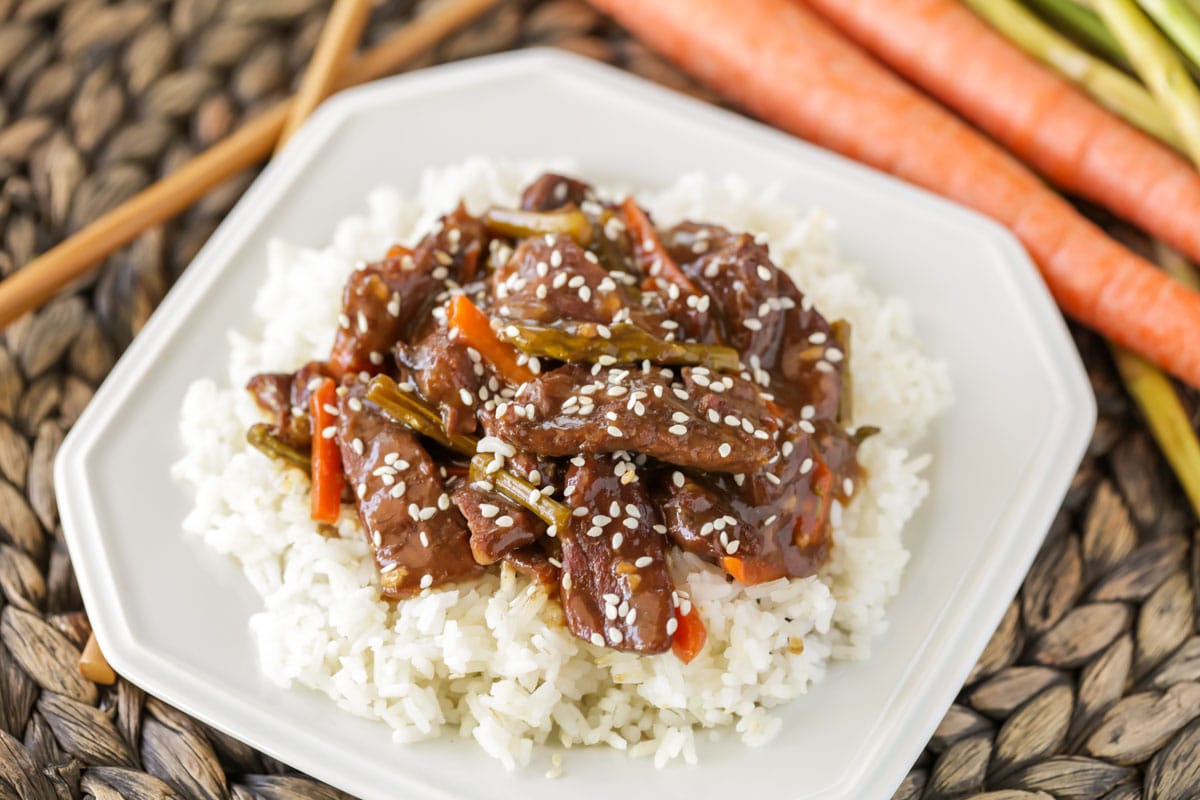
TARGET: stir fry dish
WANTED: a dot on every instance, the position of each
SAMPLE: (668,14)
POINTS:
(569,389)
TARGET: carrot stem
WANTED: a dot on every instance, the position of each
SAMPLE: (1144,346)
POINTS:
(1106,84)
(1081,23)
(1156,62)
(327,477)
(1178,22)
(475,329)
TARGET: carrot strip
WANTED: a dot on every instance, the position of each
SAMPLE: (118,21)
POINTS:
(327,478)
(476,330)
(649,249)
(690,636)
(1040,117)
(787,66)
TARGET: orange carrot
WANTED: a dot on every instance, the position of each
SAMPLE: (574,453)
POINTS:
(650,250)
(327,478)
(476,330)
(1049,124)
(787,66)
(689,636)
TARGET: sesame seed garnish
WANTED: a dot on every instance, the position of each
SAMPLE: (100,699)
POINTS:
(725,450)
(443,501)
(677,479)
(763,273)
(386,568)
(613,430)
(343,321)
(848,486)
(817,338)
(363,327)
(328,432)
(426,581)
(678,430)
(732,547)
(773,478)
(595,532)
(424,539)
(357,446)
(617,540)
(752,324)
(806,426)
(806,466)
(672,625)
(643,562)
(615,635)
(833,354)
(361,491)
(597,640)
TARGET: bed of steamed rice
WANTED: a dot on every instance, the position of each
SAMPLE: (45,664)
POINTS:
(487,659)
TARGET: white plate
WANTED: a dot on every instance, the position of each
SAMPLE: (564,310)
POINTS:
(172,616)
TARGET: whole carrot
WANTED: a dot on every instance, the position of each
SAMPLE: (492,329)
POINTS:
(1044,120)
(789,67)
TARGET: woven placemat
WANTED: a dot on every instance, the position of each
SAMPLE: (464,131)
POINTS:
(1090,688)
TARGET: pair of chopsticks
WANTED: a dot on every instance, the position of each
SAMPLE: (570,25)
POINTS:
(328,71)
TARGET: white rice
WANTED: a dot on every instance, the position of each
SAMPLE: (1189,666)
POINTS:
(483,659)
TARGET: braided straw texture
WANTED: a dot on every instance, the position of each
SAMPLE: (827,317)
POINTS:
(1090,688)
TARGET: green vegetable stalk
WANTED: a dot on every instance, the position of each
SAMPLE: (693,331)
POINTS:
(1107,85)
(1158,66)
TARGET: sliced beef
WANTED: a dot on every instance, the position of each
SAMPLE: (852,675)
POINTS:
(417,536)
(616,589)
(545,281)
(778,517)
(390,301)
(498,526)
(576,410)
(448,374)
(551,191)
(285,397)
(534,562)
(760,312)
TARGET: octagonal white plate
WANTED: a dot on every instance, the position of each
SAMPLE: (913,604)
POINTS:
(172,616)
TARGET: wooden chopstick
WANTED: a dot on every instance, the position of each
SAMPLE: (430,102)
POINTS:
(339,38)
(44,276)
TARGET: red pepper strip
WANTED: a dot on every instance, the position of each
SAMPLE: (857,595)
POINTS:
(475,329)
(649,249)
(327,477)
(689,637)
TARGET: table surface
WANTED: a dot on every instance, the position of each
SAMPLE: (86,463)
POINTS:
(1090,688)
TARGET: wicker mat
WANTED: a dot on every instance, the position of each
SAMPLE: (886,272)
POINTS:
(1090,688)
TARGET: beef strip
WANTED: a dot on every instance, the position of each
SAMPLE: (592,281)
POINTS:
(571,410)
(545,281)
(285,397)
(390,301)
(760,312)
(534,562)
(616,589)
(417,537)
(446,374)
(778,517)
(498,526)
(551,191)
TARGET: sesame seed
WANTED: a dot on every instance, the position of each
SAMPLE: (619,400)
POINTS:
(424,539)
(426,581)
(806,426)
(363,327)
(361,491)
(443,501)
(643,562)
(328,432)
(725,450)
(833,354)
(806,466)
(848,486)
(615,635)
(610,612)
(672,626)
(763,273)
(375,357)
(343,321)
(808,412)
(732,547)
(817,338)
(787,449)
(752,324)
(617,539)
(773,478)
(677,479)
(399,489)
(613,430)
(597,640)
(732,421)
(427,513)
(679,416)
(358,446)
(386,568)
